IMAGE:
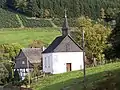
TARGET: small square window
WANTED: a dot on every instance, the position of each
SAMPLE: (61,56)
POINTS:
(23,62)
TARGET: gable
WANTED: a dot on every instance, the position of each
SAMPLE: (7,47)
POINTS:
(68,45)
(21,61)
(20,55)
(63,44)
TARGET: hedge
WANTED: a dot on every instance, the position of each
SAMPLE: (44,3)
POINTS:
(35,22)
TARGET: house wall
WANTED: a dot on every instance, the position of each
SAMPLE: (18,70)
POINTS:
(24,72)
(59,60)
(47,63)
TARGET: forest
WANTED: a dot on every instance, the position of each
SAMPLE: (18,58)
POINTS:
(55,8)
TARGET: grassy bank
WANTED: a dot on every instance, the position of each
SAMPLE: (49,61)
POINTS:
(73,80)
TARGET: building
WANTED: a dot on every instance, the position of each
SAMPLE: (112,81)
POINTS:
(63,54)
(26,59)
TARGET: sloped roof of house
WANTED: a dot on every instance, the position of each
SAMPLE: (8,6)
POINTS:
(33,54)
(57,42)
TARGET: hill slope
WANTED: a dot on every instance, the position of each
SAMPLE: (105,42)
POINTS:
(55,8)
(13,20)
(73,80)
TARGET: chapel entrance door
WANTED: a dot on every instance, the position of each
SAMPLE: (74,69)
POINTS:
(68,67)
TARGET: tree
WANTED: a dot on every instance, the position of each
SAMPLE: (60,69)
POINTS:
(95,38)
(46,13)
(36,44)
(102,13)
(12,49)
(3,73)
(114,40)
(20,4)
(33,9)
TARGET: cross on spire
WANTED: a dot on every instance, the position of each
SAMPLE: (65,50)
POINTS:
(65,13)
(65,27)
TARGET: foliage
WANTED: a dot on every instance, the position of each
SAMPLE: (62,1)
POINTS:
(115,41)
(36,71)
(33,9)
(75,8)
(20,4)
(11,20)
(8,19)
(8,53)
(59,21)
(95,38)
(12,49)
(9,67)
(3,74)
(2,3)
(36,44)
(27,35)
(73,80)
(29,22)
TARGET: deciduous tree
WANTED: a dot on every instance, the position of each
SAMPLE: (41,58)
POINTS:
(95,38)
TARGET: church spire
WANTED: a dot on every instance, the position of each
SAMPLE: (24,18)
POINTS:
(65,27)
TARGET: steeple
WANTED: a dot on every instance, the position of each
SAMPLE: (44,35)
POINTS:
(65,27)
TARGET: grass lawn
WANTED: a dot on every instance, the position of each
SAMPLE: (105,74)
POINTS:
(27,35)
(73,80)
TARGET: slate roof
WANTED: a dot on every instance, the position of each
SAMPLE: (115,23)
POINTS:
(53,45)
(57,42)
(33,54)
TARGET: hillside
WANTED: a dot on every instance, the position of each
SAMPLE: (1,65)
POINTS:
(55,8)
(73,80)
(45,13)
(26,36)
(8,19)
(14,20)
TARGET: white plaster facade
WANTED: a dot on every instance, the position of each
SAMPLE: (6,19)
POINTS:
(55,63)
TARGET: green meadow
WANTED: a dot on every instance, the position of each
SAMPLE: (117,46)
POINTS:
(26,35)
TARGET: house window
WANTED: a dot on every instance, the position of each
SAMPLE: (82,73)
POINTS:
(45,62)
(49,62)
(23,62)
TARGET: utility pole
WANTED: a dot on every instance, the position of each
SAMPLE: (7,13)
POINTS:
(83,45)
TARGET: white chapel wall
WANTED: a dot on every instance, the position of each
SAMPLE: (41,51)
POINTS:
(60,59)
